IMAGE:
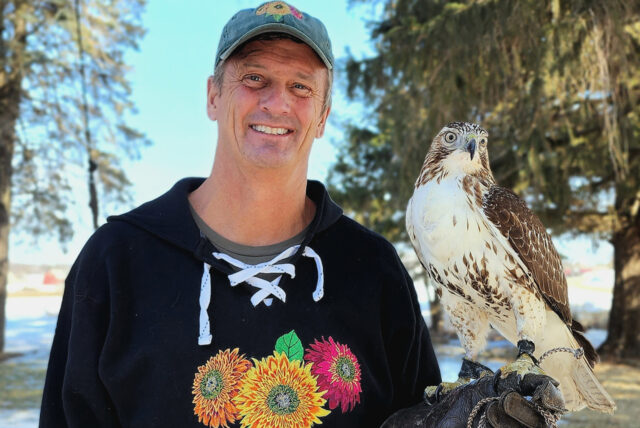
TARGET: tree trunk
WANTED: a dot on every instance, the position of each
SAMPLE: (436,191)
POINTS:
(11,74)
(6,154)
(623,340)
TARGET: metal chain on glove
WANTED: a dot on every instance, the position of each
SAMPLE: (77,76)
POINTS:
(577,353)
(550,417)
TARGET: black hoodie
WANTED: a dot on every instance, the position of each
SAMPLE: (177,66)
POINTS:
(347,347)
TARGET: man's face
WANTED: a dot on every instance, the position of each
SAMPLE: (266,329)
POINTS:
(270,107)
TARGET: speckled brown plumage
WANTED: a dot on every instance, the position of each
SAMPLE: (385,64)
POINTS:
(529,238)
(533,244)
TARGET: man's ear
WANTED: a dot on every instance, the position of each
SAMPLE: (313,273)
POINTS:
(322,123)
(213,92)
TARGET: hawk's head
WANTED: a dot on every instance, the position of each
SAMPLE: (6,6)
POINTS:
(460,148)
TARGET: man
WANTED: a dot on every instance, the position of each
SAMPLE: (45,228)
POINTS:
(247,298)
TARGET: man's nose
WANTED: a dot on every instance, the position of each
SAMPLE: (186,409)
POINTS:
(276,100)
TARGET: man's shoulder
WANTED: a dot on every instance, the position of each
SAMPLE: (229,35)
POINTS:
(361,243)
(363,250)
(111,235)
(364,236)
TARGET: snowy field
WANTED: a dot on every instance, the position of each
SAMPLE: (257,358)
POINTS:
(31,323)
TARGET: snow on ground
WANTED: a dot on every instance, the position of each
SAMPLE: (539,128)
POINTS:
(27,418)
(31,322)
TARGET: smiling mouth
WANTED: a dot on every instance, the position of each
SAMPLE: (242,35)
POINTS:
(271,131)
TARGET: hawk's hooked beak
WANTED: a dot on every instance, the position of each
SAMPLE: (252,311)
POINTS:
(471,147)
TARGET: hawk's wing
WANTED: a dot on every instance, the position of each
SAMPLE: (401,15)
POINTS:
(530,240)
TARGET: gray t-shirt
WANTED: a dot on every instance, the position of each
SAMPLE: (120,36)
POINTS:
(246,253)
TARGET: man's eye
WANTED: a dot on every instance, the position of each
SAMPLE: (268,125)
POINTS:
(301,89)
(253,78)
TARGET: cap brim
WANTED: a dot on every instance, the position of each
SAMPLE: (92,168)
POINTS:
(276,28)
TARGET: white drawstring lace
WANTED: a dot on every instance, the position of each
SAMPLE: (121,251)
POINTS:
(248,272)
(319,291)
(266,289)
(205,297)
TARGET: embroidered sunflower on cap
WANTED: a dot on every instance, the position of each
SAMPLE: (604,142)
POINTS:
(278,9)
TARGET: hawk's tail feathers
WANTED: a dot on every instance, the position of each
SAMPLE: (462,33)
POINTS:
(589,352)
(593,393)
(578,384)
(589,390)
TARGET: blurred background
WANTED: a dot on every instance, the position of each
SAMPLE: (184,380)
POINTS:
(102,107)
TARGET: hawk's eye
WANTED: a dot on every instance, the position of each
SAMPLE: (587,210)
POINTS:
(483,141)
(450,137)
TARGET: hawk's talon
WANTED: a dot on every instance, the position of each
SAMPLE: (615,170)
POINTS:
(523,365)
(438,393)
(433,394)
(468,371)
(430,395)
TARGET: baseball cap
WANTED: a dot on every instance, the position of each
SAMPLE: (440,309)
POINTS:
(274,17)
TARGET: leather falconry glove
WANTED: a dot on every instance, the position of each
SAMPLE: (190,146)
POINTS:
(504,405)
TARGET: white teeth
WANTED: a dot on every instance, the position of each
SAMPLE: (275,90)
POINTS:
(268,130)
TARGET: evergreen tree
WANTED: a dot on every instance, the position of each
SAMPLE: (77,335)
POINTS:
(63,103)
(557,85)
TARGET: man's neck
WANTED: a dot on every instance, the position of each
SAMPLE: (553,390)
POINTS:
(253,210)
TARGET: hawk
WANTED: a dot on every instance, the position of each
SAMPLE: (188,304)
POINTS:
(494,265)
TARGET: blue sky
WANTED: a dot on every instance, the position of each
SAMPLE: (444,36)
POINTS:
(168,78)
